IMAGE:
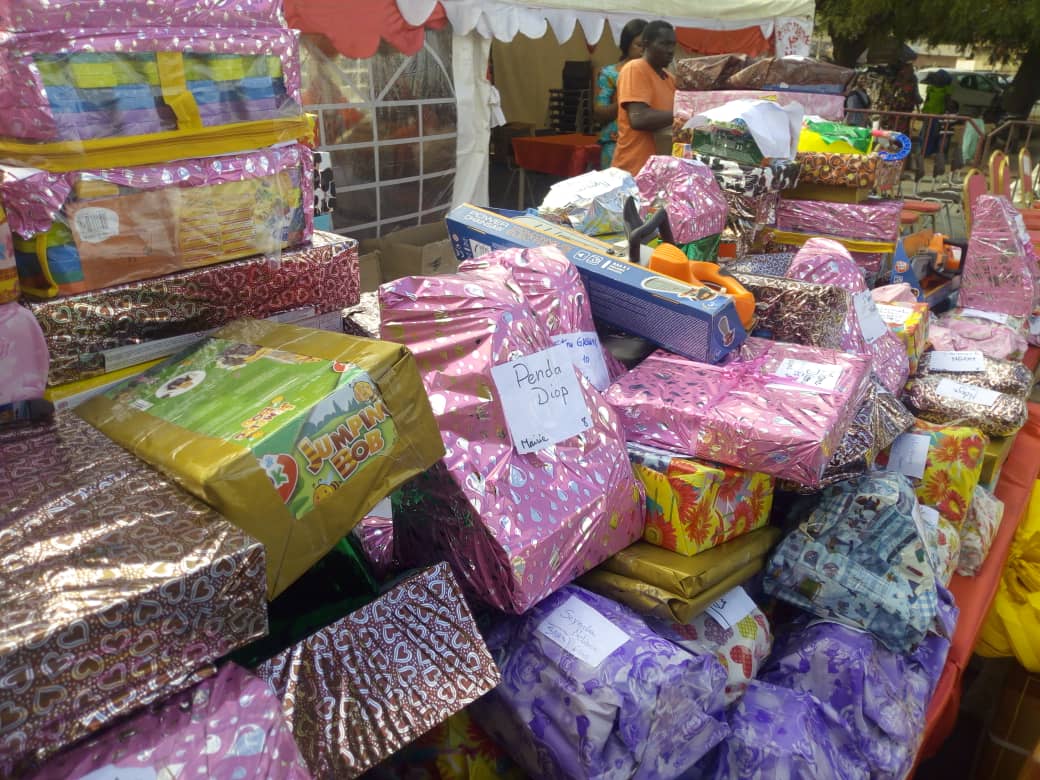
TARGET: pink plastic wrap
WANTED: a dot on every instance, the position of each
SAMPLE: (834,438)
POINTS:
(75,84)
(229,726)
(1000,268)
(557,296)
(779,409)
(873,220)
(956,331)
(35,15)
(688,191)
(515,527)
(689,104)
(823,261)
(894,293)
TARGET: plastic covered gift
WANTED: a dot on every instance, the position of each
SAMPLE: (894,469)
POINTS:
(873,220)
(589,691)
(593,202)
(292,433)
(698,74)
(750,180)
(778,409)
(106,330)
(515,525)
(979,530)
(860,558)
(797,312)
(361,689)
(998,336)
(163,586)
(822,261)
(9,288)
(230,725)
(940,399)
(749,131)
(88,230)
(1000,268)
(75,84)
(688,104)
(693,506)
(41,15)
(1004,376)
(909,323)
(374,534)
(557,297)
(687,190)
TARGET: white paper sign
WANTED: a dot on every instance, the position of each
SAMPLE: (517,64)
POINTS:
(582,631)
(870,323)
(731,608)
(95,225)
(809,373)
(909,454)
(542,399)
(1034,326)
(894,315)
(587,355)
(979,314)
(958,391)
(959,362)
(112,772)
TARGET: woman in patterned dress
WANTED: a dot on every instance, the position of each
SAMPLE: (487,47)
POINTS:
(606,107)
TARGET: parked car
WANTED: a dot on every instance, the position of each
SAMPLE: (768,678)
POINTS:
(973,93)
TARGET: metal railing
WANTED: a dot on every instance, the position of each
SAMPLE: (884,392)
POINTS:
(1012,135)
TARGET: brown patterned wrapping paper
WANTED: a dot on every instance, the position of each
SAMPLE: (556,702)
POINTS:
(1004,376)
(849,170)
(1005,416)
(116,588)
(698,74)
(812,315)
(79,328)
(364,687)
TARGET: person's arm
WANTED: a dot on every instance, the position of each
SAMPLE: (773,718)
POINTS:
(605,107)
(642,117)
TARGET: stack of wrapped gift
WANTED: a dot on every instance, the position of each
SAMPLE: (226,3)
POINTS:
(159,182)
(839,164)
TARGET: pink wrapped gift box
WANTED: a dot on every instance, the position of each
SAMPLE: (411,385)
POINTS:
(228,726)
(1001,338)
(515,527)
(873,220)
(1000,268)
(36,15)
(689,104)
(687,190)
(778,408)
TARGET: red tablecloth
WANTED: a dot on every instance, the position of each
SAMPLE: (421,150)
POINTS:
(558,155)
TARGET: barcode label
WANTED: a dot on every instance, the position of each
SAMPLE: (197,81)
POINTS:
(95,225)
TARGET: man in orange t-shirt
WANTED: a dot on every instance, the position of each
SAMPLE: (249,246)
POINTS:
(646,92)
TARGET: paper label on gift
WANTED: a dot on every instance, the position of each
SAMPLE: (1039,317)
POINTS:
(731,608)
(960,362)
(909,454)
(958,391)
(95,225)
(870,323)
(478,249)
(1034,326)
(894,315)
(582,631)
(587,356)
(808,373)
(113,772)
(542,399)
(986,315)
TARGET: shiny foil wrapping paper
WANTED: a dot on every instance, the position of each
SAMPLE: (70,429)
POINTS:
(768,72)
(81,328)
(362,319)
(874,220)
(117,588)
(592,203)
(688,104)
(1004,376)
(364,687)
(752,412)
(797,312)
(747,216)
(697,74)
(515,527)
(775,264)
(738,178)
(1005,416)
(687,190)
(228,726)
(1000,267)
(42,15)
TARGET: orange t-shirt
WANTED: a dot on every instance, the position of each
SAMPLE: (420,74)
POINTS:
(638,82)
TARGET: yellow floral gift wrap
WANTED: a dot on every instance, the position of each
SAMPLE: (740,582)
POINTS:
(909,322)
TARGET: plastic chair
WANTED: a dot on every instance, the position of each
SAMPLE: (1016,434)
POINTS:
(973,188)
(1031,217)
(1026,178)
(994,170)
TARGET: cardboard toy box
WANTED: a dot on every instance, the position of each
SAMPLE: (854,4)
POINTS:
(693,322)
(424,250)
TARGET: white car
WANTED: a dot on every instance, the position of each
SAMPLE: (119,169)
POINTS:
(973,92)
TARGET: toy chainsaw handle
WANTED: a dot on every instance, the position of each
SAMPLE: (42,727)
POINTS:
(639,231)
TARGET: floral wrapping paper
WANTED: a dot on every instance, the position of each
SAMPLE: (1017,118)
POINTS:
(822,261)
(72,84)
(1004,376)
(979,530)
(745,413)
(797,312)
(741,649)
(697,74)
(228,726)
(687,190)
(1005,415)
(81,328)
(908,323)
(648,710)
(515,526)
(554,290)
(736,178)
(1000,268)
(956,332)
(163,586)
(874,220)
(866,171)
(859,558)
(688,104)
(693,506)
(362,688)
(41,15)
